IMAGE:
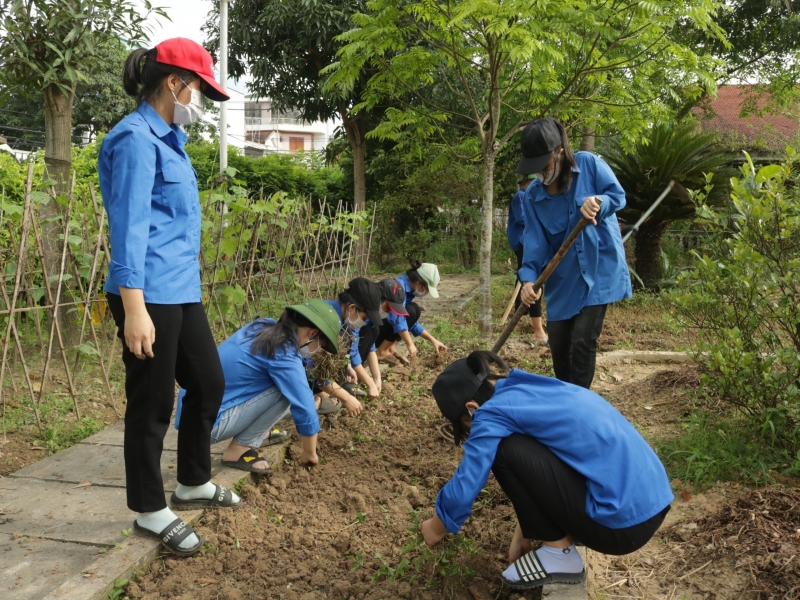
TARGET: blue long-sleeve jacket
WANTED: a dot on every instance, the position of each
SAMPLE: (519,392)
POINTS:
(594,270)
(626,484)
(150,193)
(516,220)
(248,374)
(355,357)
(417,329)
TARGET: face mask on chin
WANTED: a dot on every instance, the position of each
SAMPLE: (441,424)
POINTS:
(384,313)
(186,114)
(353,325)
(305,352)
(418,294)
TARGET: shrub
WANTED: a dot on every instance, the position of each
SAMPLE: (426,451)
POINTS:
(742,298)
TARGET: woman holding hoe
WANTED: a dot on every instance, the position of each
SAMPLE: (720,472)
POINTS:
(579,474)
(593,273)
(153,287)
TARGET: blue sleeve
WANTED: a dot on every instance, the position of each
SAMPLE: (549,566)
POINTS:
(289,375)
(454,502)
(133,171)
(417,329)
(355,357)
(397,322)
(607,187)
(512,221)
(536,251)
(181,394)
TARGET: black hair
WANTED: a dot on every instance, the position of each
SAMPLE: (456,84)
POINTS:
(567,164)
(479,362)
(142,76)
(412,274)
(268,338)
(346,298)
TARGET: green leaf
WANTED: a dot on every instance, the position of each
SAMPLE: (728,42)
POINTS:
(769,172)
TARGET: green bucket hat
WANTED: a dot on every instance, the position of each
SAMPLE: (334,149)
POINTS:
(430,275)
(324,318)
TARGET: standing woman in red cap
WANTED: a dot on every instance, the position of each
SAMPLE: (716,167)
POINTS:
(593,273)
(153,287)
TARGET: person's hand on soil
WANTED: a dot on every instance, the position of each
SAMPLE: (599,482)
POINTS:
(309,459)
(351,376)
(140,334)
(527,295)
(352,405)
(379,385)
(439,346)
(412,350)
(433,531)
(519,546)
(590,208)
(373,391)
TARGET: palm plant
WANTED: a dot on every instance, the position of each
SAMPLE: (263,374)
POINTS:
(669,151)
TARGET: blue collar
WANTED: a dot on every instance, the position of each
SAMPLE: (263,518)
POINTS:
(157,125)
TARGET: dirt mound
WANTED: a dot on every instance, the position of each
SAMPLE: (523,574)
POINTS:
(760,531)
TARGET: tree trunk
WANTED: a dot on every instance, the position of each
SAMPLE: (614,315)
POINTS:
(485,314)
(647,252)
(587,138)
(58,160)
(357,137)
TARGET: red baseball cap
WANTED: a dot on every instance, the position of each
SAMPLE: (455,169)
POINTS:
(189,55)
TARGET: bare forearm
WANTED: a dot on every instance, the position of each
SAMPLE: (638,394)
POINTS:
(374,367)
(132,300)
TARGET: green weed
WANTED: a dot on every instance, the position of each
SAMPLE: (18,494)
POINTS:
(117,590)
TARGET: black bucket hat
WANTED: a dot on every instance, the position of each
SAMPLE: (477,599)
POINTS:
(453,388)
(367,297)
(539,139)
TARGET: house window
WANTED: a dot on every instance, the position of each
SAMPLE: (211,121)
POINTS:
(296,144)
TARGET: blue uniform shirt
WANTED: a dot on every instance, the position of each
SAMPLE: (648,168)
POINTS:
(594,270)
(355,357)
(516,220)
(417,329)
(626,484)
(248,374)
(150,194)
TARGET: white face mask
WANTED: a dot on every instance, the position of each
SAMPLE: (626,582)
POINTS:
(186,114)
(418,294)
(384,313)
(305,352)
(352,325)
(548,177)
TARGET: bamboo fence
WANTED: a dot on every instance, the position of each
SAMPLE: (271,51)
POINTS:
(252,264)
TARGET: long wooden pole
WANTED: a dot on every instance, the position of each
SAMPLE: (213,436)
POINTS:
(537,285)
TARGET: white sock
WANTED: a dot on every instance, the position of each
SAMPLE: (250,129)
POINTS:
(554,560)
(158,521)
(199,492)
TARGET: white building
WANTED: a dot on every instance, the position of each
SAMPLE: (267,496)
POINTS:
(268,131)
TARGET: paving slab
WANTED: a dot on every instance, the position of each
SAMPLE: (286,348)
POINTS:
(31,568)
(100,465)
(560,591)
(643,356)
(113,436)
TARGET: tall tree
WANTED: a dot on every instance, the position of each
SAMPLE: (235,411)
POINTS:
(666,152)
(284,46)
(505,62)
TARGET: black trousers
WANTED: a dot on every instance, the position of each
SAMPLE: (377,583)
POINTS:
(535,309)
(184,351)
(367,336)
(573,345)
(549,498)
(385,331)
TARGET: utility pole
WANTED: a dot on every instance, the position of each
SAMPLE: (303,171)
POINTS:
(223,75)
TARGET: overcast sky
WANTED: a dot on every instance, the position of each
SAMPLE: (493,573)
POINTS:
(187,17)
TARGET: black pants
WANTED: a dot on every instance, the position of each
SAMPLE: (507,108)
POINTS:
(573,344)
(385,331)
(184,351)
(367,336)
(549,498)
(536,308)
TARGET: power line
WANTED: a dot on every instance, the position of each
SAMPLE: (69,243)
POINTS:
(24,130)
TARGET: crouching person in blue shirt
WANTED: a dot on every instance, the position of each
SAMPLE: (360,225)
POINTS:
(265,378)
(573,467)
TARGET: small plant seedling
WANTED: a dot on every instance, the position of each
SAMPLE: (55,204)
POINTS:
(236,540)
(117,590)
(127,532)
(361,517)
(358,560)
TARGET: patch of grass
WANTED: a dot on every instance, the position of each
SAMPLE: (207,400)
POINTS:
(723,449)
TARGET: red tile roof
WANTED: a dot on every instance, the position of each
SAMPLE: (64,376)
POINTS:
(771,132)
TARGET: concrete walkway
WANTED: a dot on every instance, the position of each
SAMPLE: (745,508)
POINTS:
(64,523)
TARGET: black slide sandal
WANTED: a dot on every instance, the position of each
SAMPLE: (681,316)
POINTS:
(246,461)
(223,498)
(532,574)
(172,536)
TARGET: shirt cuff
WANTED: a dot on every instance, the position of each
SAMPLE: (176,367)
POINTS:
(449,524)
(417,330)
(125,276)
(526,274)
(309,428)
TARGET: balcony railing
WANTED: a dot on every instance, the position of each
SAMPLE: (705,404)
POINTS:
(258,122)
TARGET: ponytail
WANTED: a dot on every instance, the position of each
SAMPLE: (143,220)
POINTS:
(412,274)
(480,362)
(142,76)
(565,176)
